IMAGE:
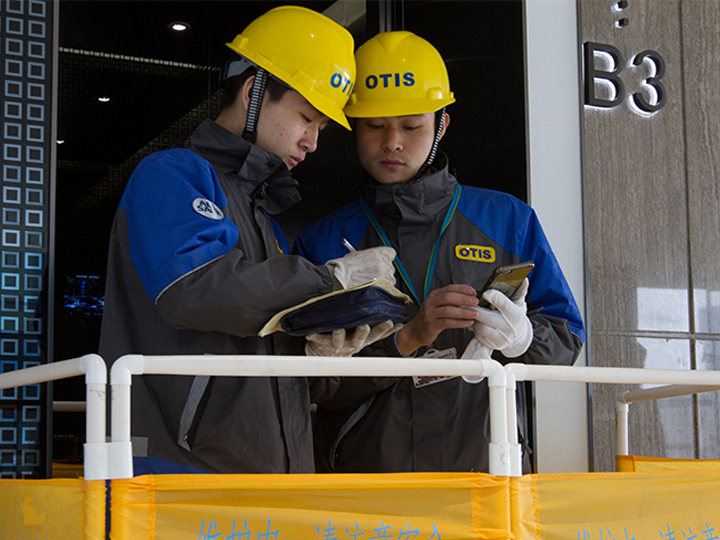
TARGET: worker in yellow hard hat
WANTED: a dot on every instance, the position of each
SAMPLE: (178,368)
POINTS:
(449,238)
(403,76)
(301,50)
(197,265)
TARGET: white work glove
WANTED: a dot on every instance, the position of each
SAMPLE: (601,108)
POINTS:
(506,328)
(338,344)
(475,351)
(358,267)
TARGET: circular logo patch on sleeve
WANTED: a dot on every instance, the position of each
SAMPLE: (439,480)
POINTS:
(208,209)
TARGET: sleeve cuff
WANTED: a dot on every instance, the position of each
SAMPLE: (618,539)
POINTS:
(397,349)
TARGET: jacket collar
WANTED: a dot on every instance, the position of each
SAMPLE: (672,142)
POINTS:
(259,173)
(420,201)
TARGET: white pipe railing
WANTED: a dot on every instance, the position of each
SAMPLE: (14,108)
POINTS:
(622,407)
(95,371)
(505,452)
(614,375)
(274,366)
(679,382)
(104,460)
(511,421)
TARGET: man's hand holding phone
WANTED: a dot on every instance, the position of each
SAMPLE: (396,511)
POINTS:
(504,326)
(506,279)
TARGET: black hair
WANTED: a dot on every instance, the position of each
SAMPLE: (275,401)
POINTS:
(232,86)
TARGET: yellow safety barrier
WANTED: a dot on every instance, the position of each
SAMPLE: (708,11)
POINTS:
(416,506)
(58,509)
(651,464)
(671,505)
(592,506)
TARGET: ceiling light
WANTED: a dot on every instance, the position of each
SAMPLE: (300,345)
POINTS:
(103,99)
(179,26)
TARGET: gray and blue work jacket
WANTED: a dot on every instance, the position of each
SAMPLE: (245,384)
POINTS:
(444,233)
(196,267)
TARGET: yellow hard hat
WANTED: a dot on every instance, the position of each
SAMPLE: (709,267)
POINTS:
(306,50)
(399,74)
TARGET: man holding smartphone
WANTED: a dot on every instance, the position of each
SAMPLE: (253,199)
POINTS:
(449,238)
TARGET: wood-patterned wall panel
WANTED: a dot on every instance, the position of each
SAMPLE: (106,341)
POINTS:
(639,183)
(634,169)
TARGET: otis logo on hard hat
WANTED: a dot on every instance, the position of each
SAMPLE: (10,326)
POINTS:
(341,80)
(475,253)
(386,80)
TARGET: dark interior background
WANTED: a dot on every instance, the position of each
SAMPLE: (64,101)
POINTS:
(161,84)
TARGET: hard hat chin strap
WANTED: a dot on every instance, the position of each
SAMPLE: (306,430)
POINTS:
(256,98)
(431,157)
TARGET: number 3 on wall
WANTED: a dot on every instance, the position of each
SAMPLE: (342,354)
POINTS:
(611,77)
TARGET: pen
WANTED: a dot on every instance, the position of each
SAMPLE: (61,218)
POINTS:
(348,245)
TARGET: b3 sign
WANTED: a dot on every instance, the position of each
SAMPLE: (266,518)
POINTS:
(603,64)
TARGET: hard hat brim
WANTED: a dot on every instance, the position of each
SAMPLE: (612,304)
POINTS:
(384,109)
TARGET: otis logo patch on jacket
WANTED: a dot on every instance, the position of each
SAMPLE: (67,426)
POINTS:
(484,254)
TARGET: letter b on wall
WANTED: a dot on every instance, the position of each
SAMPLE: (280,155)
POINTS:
(608,78)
